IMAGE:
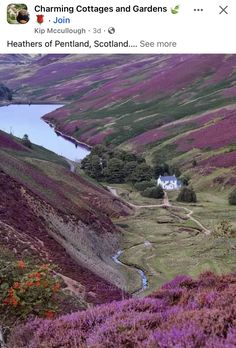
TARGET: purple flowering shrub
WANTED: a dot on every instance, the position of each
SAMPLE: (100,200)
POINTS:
(184,313)
(223,160)
(214,136)
(8,142)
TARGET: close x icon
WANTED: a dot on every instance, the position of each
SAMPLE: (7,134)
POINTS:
(223,9)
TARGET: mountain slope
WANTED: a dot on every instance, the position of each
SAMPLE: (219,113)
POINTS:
(154,104)
(50,213)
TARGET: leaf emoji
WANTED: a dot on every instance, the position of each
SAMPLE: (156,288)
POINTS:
(175,10)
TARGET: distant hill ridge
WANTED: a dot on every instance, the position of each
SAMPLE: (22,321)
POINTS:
(160,105)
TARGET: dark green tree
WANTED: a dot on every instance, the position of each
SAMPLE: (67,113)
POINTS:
(143,172)
(161,169)
(129,167)
(114,172)
(130,157)
(174,170)
(143,185)
(185,180)
(93,167)
(187,194)
(99,150)
(26,141)
(84,162)
(232,197)
(120,154)
(153,192)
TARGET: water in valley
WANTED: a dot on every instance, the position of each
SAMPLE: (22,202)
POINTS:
(139,270)
(27,119)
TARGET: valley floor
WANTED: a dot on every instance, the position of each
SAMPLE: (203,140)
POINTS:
(167,241)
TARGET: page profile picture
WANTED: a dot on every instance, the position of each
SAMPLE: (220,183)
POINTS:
(17,14)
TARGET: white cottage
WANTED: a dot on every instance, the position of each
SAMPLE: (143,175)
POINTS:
(169,182)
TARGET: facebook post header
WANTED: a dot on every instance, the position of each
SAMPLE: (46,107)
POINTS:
(131,27)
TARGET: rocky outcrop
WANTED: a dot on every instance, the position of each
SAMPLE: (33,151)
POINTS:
(82,242)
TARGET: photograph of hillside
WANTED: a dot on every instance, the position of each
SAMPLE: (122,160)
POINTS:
(117,201)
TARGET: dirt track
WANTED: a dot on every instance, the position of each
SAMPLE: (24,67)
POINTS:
(166,203)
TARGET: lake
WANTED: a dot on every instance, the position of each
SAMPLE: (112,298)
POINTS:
(26,119)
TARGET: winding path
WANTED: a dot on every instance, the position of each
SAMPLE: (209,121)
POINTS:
(189,215)
(135,206)
(166,204)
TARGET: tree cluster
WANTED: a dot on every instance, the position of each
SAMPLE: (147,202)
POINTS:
(149,189)
(116,166)
(153,192)
(119,166)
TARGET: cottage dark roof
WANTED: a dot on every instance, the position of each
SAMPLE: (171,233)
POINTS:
(168,178)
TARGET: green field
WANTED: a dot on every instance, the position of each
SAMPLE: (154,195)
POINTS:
(165,242)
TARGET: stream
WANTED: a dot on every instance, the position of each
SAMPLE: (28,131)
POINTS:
(142,274)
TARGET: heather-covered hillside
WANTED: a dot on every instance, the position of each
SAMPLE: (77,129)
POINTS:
(168,104)
(66,215)
(155,115)
(184,313)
